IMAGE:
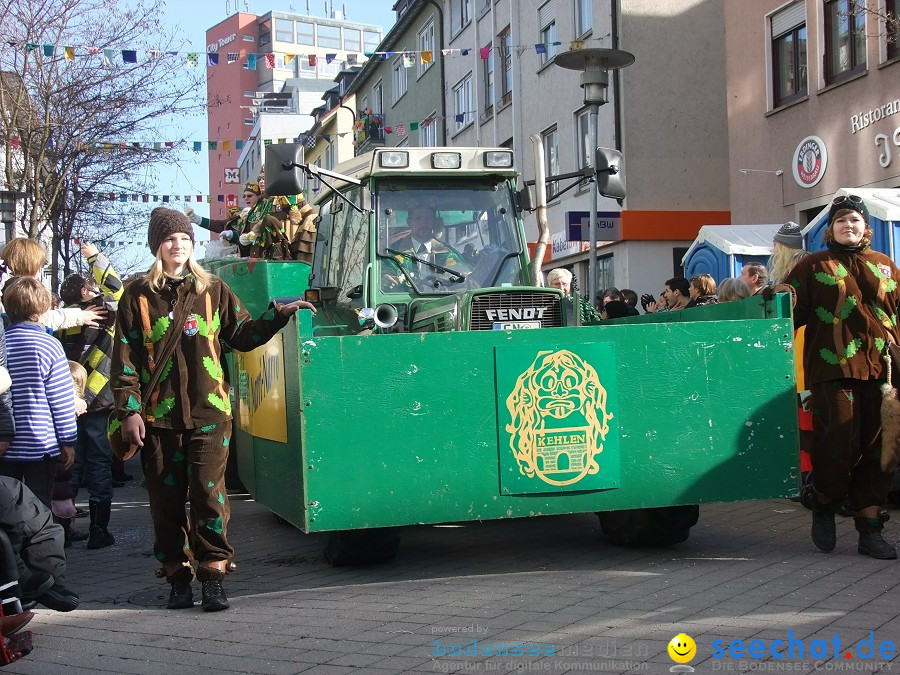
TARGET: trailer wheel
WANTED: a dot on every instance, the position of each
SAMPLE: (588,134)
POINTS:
(361,547)
(662,526)
(282,521)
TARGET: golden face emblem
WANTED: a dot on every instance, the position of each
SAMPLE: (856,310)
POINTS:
(558,418)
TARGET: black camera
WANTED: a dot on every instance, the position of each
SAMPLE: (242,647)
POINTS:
(646,299)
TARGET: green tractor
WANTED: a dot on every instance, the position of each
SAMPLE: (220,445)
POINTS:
(438,382)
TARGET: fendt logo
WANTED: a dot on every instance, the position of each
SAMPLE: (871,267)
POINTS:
(516,314)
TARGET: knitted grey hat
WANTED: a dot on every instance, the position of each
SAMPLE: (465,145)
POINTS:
(790,234)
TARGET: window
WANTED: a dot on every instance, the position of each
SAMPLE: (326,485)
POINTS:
(789,69)
(547,26)
(399,78)
(506,83)
(551,158)
(892,29)
(428,132)
(462,103)
(426,44)
(459,15)
(249,94)
(248,121)
(845,39)
(248,38)
(265,36)
(329,37)
(371,40)
(284,30)
(584,17)
(306,33)
(582,142)
(488,65)
(345,256)
(304,67)
(378,98)
(352,40)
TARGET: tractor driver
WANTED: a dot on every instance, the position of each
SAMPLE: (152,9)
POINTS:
(423,242)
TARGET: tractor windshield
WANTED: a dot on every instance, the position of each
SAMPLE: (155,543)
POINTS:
(437,237)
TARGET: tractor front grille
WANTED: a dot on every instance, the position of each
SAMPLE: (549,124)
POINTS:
(515,306)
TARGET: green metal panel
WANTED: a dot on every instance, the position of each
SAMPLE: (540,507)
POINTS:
(401,429)
(256,282)
(556,406)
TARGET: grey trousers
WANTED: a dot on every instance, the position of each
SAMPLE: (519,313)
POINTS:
(35,538)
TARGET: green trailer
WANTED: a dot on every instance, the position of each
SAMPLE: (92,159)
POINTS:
(443,399)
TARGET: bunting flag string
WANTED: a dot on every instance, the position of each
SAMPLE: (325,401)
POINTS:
(408,57)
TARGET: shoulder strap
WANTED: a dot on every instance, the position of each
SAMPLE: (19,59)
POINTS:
(182,309)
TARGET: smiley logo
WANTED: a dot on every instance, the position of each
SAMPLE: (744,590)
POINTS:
(682,648)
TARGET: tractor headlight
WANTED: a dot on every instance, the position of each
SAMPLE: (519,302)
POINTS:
(498,159)
(393,159)
(446,160)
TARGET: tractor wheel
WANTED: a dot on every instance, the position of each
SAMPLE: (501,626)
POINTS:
(661,526)
(361,547)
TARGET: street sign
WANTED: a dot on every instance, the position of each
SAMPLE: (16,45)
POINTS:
(609,225)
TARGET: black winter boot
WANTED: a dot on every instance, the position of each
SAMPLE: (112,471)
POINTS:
(214,598)
(99,536)
(182,595)
(871,543)
(824,535)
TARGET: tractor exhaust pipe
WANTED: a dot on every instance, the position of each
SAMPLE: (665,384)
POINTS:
(385,315)
(540,189)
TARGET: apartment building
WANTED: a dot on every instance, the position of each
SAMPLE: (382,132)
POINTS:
(813,103)
(270,96)
(666,113)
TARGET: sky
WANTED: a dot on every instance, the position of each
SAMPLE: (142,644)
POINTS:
(192,18)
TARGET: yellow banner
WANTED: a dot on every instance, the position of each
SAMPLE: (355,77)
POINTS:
(262,408)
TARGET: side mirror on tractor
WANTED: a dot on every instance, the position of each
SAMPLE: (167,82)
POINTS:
(610,173)
(282,176)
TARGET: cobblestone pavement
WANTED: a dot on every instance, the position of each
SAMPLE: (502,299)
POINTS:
(549,591)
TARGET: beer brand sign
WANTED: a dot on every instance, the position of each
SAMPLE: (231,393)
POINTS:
(556,410)
(810,161)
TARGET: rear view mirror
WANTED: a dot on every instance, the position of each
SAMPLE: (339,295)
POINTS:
(280,180)
(610,173)
(525,200)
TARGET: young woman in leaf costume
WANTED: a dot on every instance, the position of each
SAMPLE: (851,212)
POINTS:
(847,297)
(171,399)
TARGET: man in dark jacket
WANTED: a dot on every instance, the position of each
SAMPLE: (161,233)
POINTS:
(92,347)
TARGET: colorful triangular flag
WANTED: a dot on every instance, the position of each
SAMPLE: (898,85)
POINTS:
(193,58)
(251,62)
(69,53)
(427,56)
(313,60)
(129,56)
(233,56)
(212,59)
(270,60)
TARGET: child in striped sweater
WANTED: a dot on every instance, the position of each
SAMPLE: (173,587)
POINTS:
(42,395)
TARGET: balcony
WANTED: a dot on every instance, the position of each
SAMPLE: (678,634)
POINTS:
(369,132)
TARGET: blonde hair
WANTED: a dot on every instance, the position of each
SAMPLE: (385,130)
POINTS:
(79,377)
(733,289)
(783,260)
(24,257)
(156,275)
(25,298)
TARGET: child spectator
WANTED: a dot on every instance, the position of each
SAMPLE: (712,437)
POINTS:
(63,505)
(42,396)
(92,347)
(27,258)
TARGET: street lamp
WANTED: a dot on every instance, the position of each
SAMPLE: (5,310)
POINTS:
(594,64)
